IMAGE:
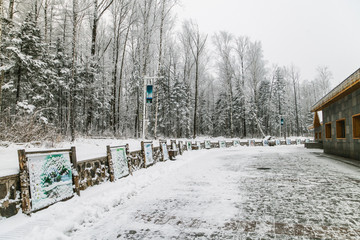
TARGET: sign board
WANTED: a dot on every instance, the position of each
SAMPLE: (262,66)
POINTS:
(252,143)
(173,146)
(181,147)
(265,142)
(236,143)
(207,144)
(149,93)
(50,178)
(188,146)
(164,151)
(298,141)
(222,144)
(307,140)
(120,162)
(198,144)
(148,154)
(288,141)
(277,142)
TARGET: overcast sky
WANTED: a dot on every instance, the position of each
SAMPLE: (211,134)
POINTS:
(307,33)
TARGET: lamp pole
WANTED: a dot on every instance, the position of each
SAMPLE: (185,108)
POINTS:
(144,105)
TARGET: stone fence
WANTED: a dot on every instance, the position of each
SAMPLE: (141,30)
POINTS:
(15,193)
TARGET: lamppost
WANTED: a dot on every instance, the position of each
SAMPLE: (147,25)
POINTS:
(144,105)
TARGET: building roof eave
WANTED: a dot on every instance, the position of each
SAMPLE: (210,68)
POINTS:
(346,87)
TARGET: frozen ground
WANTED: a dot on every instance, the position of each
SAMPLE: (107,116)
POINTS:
(284,192)
(85,149)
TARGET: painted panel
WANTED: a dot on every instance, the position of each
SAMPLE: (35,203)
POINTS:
(236,143)
(165,151)
(120,162)
(188,146)
(148,154)
(50,179)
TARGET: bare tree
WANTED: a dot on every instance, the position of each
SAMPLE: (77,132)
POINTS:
(196,41)
(323,80)
(242,47)
(223,42)
(293,74)
(256,73)
(121,11)
(166,7)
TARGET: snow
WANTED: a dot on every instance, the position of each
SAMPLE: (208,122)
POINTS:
(284,192)
(86,148)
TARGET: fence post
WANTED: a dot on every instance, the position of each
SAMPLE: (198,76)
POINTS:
(110,163)
(76,177)
(143,153)
(24,182)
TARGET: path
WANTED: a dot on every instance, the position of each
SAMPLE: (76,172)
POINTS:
(284,192)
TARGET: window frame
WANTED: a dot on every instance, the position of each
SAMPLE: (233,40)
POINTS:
(337,121)
(356,116)
(326,130)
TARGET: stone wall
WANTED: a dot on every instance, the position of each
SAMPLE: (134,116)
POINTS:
(93,172)
(344,108)
(9,195)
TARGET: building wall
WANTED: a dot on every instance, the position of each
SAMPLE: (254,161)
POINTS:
(344,108)
(319,134)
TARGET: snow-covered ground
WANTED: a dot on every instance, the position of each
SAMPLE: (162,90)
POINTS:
(284,192)
(85,149)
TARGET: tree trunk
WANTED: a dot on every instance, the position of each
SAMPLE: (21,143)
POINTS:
(162,18)
(51,23)
(1,72)
(231,107)
(296,111)
(11,9)
(18,88)
(73,77)
(46,21)
(121,74)
(196,93)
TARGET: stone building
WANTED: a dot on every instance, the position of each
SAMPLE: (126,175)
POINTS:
(340,129)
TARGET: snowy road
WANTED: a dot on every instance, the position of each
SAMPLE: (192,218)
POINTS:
(284,192)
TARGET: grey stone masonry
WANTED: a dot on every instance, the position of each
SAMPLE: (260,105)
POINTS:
(9,195)
(344,108)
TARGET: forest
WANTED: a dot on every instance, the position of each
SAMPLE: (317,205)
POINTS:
(78,68)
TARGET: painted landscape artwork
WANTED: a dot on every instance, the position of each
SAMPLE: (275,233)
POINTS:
(148,154)
(50,179)
(207,144)
(188,145)
(165,151)
(121,168)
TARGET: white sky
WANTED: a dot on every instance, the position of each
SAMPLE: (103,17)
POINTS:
(307,33)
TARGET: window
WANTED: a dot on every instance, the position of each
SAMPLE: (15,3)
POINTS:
(320,138)
(316,136)
(328,130)
(340,128)
(356,126)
